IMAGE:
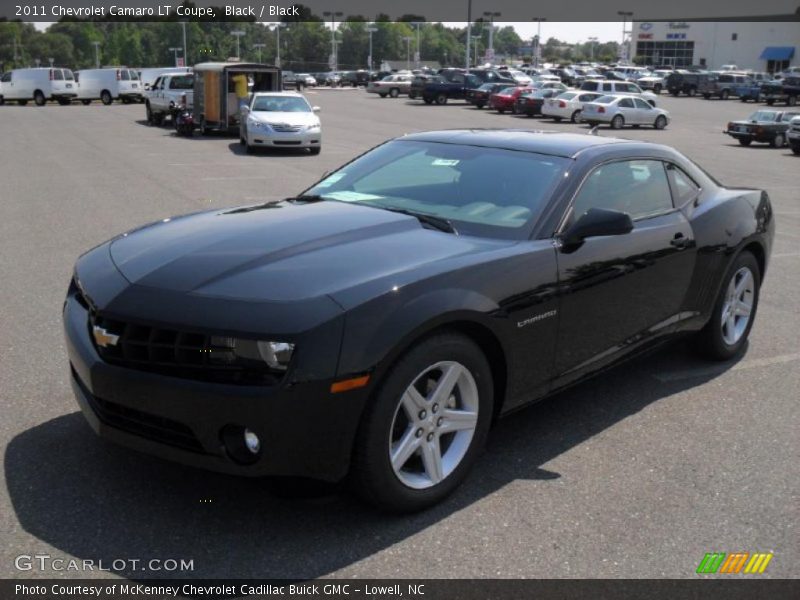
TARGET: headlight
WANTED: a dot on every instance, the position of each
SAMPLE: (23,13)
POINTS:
(240,352)
(251,122)
(314,127)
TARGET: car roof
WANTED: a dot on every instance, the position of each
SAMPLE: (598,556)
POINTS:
(554,143)
(277,93)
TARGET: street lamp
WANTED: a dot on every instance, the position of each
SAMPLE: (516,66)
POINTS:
(259,47)
(276,27)
(52,60)
(237,35)
(476,38)
(417,55)
(491,15)
(592,42)
(334,62)
(538,49)
(174,51)
(408,39)
(625,14)
(96,54)
(185,55)
(370,30)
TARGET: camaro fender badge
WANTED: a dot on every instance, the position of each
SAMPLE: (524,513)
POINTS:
(537,318)
(103,338)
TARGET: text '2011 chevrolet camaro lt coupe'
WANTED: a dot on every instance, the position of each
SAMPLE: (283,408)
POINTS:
(374,326)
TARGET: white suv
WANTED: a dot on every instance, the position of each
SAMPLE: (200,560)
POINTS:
(611,87)
(793,135)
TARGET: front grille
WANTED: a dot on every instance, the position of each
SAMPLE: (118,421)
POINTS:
(281,128)
(153,427)
(177,353)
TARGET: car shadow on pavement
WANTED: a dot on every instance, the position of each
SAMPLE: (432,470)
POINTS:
(93,500)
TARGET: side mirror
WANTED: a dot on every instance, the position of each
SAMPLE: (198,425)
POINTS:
(316,108)
(596,222)
(244,110)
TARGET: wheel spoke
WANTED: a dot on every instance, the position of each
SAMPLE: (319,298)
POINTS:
(405,448)
(432,459)
(743,309)
(458,420)
(446,384)
(413,402)
(731,325)
(743,283)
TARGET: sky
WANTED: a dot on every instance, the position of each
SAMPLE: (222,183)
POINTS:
(568,32)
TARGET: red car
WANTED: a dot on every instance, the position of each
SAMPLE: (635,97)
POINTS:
(506,98)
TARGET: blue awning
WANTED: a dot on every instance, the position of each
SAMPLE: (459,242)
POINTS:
(778,53)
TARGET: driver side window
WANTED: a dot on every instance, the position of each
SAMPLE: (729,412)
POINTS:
(637,187)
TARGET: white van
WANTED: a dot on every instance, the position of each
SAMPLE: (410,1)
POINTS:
(39,85)
(109,84)
(148,76)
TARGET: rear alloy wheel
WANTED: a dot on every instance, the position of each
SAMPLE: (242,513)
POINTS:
(745,141)
(394,92)
(105,97)
(661,122)
(575,117)
(426,425)
(441,99)
(726,333)
(38,98)
(779,141)
(617,122)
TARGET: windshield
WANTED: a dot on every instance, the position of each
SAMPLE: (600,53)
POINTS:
(484,191)
(763,115)
(280,104)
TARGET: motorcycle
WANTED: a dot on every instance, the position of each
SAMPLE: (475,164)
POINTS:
(184,119)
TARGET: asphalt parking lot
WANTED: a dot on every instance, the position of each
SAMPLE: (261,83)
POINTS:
(636,474)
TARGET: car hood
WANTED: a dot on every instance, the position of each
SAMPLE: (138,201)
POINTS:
(285,118)
(289,252)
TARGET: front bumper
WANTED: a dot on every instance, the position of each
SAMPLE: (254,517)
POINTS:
(304,430)
(268,137)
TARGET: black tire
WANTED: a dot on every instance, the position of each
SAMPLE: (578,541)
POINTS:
(692,91)
(657,88)
(106,98)
(675,93)
(203,126)
(660,122)
(248,148)
(2,101)
(372,474)
(618,122)
(441,99)
(480,105)
(148,113)
(158,119)
(707,96)
(86,102)
(711,341)
(125,100)
(791,101)
(315,149)
(724,94)
(779,141)
(575,117)
(770,102)
(38,98)
(745,141)
(428,100)
(394,92)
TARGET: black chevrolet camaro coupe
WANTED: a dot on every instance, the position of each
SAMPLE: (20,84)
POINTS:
(375,325)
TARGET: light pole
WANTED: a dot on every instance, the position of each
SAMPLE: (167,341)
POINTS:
(52,60)
(476,38)
(592,42)
(490,51)
(469,30)
(96,54)
(417,54)
(174,51)
(408,39)
(259,48)
(334,55)
(277,29)
(625,14)
(185,55)
(370,30)
(237,35)
(538,49)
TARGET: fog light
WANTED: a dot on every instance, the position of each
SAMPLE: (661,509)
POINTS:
(251,441)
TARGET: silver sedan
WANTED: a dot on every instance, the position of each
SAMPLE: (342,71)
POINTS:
(619,110)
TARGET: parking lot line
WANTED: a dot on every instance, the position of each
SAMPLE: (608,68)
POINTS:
(718,370)
(785,254)
(229,178)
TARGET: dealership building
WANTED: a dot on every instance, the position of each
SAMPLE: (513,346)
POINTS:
(757,45)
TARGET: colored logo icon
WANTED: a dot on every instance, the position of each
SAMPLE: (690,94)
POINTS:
(737,562)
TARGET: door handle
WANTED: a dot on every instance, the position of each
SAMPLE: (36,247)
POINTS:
(680,241)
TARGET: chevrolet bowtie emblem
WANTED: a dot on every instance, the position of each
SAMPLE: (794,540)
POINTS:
(103,338)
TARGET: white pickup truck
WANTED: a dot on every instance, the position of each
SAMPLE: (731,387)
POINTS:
(167,95)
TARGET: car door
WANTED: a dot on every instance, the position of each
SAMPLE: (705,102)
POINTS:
(622,290)
(645,112)
(628,111)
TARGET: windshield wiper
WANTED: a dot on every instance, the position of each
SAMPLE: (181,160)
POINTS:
(302,199)
(439,223)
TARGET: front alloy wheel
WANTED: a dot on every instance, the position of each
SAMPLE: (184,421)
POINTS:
(425,425)
(738,305)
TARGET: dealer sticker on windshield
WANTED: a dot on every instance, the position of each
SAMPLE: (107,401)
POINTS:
(349,196)
(445,162)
